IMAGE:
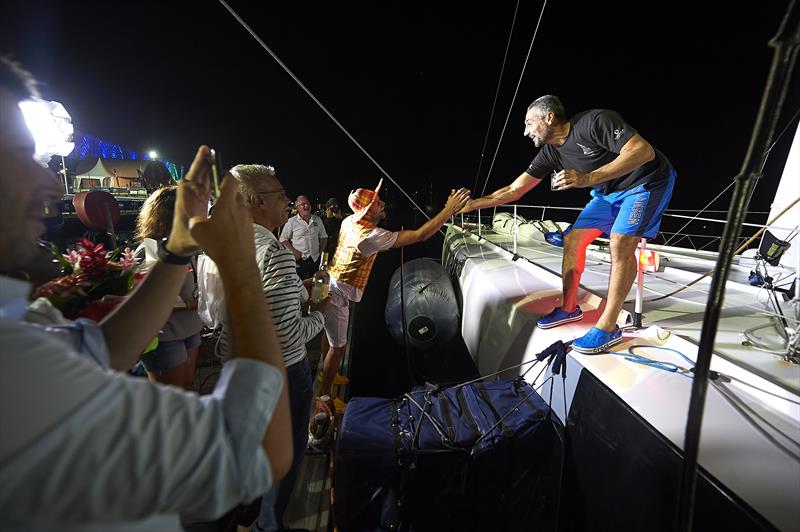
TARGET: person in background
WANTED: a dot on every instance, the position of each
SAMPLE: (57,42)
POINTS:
(332,219)
(85,448)
(175,358)
(282,288)
(631,185)
(304,235)
(360,241)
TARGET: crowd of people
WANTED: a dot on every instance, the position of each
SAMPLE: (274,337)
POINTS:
(86,446)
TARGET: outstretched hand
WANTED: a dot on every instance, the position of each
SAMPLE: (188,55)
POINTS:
(227,235)
(191,202)
(457,201)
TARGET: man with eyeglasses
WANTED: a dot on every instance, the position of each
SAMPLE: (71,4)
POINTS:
(305,236)
(84,446)
(285,293)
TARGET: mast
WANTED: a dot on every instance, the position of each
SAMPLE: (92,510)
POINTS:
(786,44)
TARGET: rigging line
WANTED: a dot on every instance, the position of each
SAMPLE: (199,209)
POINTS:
(738,250)
(700,212)
(496,94)
(514,99)
(749,414)
(321,106)
(717,220)
(762,390)
(763,163)
(767,154)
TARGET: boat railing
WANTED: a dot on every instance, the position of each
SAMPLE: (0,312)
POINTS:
(475,219)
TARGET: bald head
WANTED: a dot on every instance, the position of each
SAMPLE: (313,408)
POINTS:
(303,207)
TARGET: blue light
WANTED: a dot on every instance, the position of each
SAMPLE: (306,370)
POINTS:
(89,146)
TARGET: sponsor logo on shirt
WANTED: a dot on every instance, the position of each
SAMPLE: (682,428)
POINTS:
(618,133)
(586,149)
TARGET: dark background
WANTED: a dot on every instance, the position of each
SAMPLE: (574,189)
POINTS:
(413,82)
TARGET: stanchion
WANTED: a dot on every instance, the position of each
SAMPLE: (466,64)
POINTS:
(637,312)
(516,226)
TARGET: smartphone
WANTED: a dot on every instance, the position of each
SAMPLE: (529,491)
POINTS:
(553,176)
(217,174)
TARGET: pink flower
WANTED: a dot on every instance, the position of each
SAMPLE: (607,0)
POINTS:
(74,258)
(127,259)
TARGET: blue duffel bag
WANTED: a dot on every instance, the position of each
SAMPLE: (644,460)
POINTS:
(481,456)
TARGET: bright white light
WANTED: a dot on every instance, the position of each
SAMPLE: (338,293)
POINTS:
(51,127)
(152,154)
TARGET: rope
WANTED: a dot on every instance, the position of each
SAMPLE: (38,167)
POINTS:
(738,250)
(700,212)
(321,106)
(514,99)
(767,154)
(763,163)
(496,94)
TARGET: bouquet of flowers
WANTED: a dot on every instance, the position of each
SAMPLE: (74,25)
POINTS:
(90,275)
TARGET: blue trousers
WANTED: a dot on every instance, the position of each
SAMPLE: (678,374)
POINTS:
(275,501)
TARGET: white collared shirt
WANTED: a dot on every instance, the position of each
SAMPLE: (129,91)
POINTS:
(87,448)
(304,236)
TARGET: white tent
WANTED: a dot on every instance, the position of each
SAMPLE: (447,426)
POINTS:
(123,172)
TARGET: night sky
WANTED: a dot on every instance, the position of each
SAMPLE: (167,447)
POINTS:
(414,82)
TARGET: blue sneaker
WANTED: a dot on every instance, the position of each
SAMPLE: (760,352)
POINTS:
(597,341)
(559,317)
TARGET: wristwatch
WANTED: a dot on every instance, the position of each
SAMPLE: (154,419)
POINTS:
(164,255)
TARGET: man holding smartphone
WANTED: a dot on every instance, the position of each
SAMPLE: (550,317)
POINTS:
(631,186)
(85,447)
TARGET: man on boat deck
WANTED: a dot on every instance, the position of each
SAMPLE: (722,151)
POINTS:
(360,240)
(631,187)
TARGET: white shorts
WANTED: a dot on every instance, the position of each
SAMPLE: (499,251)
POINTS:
(337,317)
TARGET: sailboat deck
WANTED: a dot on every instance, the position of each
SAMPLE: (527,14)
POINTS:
(744,306)
(751,427)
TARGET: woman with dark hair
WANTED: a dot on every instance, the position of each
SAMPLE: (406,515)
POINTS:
(175,358)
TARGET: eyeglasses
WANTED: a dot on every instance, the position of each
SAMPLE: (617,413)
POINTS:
(281,191)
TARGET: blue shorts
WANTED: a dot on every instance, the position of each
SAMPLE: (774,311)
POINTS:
(169,355)
(634,212)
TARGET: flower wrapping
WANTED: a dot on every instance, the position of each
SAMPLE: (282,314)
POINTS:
(94,281)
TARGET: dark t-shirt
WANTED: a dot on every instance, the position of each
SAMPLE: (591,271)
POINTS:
(595,139)
(332,226)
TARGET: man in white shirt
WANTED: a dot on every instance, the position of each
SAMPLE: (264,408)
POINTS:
(304,235)
(85,448)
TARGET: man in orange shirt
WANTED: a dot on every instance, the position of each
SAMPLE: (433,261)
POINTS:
(360,241)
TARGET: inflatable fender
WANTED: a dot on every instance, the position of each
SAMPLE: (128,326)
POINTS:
(432,311)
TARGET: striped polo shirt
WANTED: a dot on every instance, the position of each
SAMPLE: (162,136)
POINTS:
(285,294)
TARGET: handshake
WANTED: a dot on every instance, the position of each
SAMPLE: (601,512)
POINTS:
(457,201)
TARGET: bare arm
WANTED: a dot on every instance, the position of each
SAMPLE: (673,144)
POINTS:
(138,319)
(456,201)
(323,244)
(513,192)
(633,154)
